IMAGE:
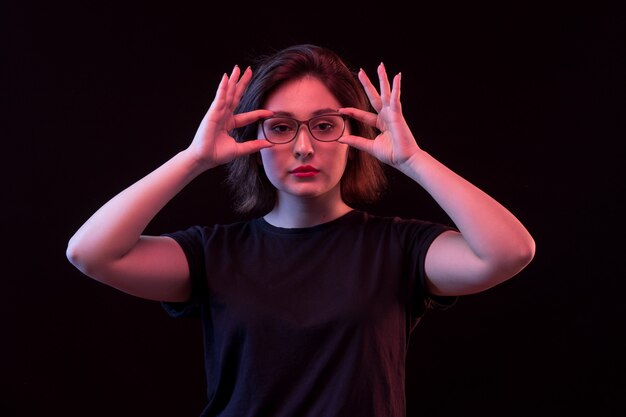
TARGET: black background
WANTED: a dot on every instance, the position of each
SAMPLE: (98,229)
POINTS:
(527,103)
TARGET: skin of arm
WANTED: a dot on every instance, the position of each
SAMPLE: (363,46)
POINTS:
(110,247)
(491,245)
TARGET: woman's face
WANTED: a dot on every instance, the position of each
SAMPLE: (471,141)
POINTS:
(304,167)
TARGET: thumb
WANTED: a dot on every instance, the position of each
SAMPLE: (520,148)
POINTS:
(358,142)
(252,146)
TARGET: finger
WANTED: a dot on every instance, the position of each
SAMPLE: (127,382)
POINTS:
(241,86)
(362,144)
(243,119)
(232,85)
(370,90)
(219,100)
(395,92)
(360,115)
(251,146)
(384,83)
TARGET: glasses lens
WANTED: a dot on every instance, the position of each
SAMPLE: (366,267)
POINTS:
(327,127)
(279,129)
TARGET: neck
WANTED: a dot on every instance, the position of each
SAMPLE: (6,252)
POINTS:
(296,212)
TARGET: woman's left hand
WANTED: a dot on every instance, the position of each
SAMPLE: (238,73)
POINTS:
(395,144)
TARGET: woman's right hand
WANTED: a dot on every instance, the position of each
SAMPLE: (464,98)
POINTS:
(213,145)
(111,247)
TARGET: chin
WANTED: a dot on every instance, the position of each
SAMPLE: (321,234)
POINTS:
(306,192)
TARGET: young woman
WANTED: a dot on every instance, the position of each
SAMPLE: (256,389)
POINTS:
(307,308)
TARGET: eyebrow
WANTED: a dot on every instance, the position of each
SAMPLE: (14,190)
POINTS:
(315,113)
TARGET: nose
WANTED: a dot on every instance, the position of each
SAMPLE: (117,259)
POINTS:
(303,143)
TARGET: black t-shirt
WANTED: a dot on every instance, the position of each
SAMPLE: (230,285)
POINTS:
(307,321)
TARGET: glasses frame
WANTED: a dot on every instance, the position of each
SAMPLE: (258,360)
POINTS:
(304,122)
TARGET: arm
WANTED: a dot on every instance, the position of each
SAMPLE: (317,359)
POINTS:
(492,245)
(110,247)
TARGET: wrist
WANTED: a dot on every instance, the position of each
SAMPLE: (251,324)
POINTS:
(192,163)
(415,163)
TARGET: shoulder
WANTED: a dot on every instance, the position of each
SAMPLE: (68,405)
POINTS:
(401,224)
(204,233)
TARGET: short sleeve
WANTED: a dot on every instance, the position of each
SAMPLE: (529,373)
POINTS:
(192,242)
(421,235)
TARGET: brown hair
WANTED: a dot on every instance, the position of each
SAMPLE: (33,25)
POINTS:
(363,179)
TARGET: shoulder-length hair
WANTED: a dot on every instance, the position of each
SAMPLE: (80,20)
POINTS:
(363,179)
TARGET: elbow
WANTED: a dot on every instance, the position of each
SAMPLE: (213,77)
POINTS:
(518,258)
(527,252)
(79,257)
(74,255)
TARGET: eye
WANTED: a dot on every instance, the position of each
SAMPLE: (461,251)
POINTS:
(279,126)
(324,124)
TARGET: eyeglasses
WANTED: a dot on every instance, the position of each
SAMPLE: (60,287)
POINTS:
(325,128)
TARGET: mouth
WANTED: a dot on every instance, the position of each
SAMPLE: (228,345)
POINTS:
(304,171)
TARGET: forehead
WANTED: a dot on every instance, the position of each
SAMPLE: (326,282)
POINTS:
(301,97)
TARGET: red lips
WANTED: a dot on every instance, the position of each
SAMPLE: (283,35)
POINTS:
(305,171)
(304,168)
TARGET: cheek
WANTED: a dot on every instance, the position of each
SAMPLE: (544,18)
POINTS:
(344,155)
(264,158)
(268,161)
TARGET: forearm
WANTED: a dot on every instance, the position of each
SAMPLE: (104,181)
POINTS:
(116,227)
(491,231)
